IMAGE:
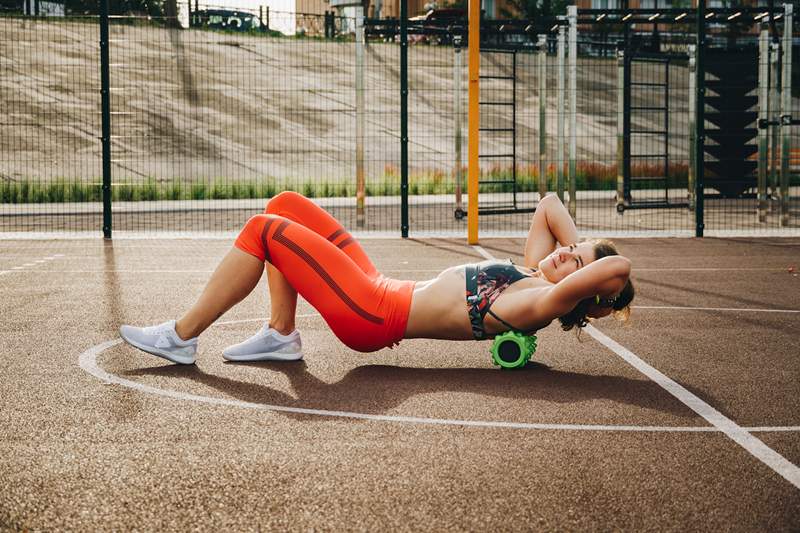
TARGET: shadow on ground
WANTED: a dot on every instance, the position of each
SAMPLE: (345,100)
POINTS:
(377,389)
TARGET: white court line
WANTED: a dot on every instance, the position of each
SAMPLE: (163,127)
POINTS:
(671,307)
(88,362)
(488,256)
(21,268)
(741,436)
(403,270)
(137,271)
(366,235)
(712,269)
(245,320)
(738,434)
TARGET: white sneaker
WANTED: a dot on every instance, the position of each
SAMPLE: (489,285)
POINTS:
(161,340)
(267,345)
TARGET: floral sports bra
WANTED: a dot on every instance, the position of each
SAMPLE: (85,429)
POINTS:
(485,282)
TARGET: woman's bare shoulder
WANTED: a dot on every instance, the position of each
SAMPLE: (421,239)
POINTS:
(458,270)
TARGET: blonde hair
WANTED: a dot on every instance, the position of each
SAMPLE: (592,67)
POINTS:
(622,304)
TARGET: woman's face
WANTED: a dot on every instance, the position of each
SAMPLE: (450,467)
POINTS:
(566,260)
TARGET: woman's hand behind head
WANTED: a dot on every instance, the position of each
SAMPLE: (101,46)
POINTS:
(614,298)
(571,298)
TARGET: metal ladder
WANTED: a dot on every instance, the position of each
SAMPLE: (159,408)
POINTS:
(630,134)
(499,208)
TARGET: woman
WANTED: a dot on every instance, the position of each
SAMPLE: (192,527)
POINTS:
(306,250)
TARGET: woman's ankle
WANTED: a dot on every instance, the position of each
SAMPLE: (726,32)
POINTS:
(184,331)
(282,328)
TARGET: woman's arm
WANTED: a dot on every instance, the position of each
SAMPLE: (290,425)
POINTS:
(551,224)
(605,277)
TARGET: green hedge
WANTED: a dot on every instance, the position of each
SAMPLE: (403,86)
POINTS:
(589,177)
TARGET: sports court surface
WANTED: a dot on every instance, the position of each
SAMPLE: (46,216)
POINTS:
(687,417)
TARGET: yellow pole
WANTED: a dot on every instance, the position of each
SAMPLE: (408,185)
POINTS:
(473,171)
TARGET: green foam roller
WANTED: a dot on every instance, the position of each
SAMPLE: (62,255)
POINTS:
(512,349)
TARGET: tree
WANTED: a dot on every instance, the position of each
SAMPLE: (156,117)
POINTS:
(533,9)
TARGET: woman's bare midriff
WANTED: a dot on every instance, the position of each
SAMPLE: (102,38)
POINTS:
(439,307)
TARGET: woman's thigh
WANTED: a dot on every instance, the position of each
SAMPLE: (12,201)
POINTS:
(300,209)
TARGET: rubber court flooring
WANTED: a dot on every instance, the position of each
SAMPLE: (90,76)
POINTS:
(685,418)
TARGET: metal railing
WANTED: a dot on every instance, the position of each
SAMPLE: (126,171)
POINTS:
(194,128)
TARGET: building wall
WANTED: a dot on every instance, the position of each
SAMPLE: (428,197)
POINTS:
(650,4)
(391,8)
(314,7)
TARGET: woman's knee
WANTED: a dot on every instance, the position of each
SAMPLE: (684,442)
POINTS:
(256,223)
(254,233)
(550,200)
(250,238)
(281,201)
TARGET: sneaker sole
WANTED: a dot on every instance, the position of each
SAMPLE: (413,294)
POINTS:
(181,360)
(269,356)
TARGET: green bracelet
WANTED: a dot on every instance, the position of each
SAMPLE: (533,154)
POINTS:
(513,350)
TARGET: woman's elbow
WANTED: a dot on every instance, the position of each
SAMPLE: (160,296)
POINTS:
(614,266)
(622,266)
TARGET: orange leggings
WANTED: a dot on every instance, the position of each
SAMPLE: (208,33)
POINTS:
(325,265)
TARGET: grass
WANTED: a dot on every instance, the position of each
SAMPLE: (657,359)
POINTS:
(589,176)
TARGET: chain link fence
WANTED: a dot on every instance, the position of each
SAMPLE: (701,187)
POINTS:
(216,110)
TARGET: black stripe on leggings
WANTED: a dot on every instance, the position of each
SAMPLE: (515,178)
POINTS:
(267,224)
(335,235)
(345,242)
(305,256)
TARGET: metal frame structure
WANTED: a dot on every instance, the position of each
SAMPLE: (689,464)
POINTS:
(513,207)
(566,27)
(776,117)
(625,200)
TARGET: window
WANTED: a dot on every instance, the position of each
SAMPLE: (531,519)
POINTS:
(605,4)
(488,7)
(651,4)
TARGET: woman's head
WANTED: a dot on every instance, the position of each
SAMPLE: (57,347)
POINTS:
(591,307)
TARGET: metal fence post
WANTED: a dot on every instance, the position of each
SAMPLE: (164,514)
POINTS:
(360,178)
(772,114)
(786,112)
(404,118)
(457,106)
(105,104)
(561,115)
(572,62)
(542,44)
(763,128)
(473,120)
(700,96)
(621,126)
(692,125)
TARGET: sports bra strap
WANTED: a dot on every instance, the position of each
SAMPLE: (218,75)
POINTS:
(509,326)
